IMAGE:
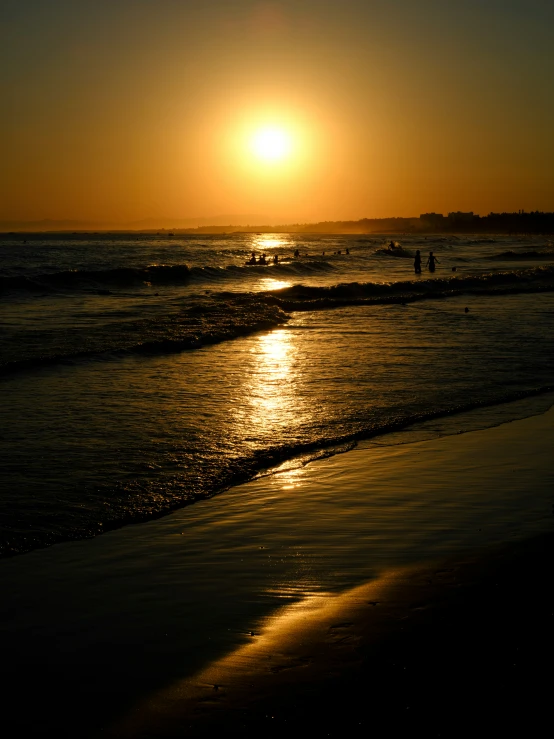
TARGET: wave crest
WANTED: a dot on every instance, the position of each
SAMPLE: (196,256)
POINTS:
(208,321)
(302,297)
(156,274)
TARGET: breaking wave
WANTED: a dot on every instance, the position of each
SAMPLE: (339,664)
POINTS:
(223,316)
(201,323)
(301,297)
(157,274)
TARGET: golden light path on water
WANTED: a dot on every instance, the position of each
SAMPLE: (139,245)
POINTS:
(269,243)
(268,385)
(268,283)
(272,394)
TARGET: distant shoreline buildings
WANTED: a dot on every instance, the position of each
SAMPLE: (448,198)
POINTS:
(522,222)
(459,221)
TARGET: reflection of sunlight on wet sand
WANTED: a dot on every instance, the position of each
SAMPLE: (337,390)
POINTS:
(290,479)
(288,475)
(299,637)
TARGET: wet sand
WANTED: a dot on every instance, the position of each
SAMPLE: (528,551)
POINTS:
(404,608)
(462,648)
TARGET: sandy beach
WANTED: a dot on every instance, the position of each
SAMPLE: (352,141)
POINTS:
(391,587)
(442,651)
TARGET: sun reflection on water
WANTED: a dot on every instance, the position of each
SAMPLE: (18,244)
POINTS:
(274,404)
(266,243)
(274,351)
(268,283)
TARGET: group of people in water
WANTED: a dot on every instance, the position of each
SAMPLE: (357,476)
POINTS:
(430,263)
(262,259)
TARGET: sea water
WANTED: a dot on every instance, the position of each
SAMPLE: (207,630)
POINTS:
(141,373)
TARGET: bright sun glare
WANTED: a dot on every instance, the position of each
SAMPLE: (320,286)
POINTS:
(271,144)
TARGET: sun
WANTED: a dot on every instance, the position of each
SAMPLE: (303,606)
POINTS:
(271,144)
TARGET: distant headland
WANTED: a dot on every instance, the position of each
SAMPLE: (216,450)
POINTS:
(520,222)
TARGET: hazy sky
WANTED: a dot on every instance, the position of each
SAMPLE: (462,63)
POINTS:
(130,109)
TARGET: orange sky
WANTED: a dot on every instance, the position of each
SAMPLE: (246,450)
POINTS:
(117,112)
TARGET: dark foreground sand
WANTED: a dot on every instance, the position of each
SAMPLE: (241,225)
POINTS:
(461,648)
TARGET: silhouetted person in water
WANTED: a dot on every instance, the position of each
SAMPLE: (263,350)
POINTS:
(417,263)
(276,259)
(431,259)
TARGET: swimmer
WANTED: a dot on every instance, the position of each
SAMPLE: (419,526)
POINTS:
(417,263)
(431,259)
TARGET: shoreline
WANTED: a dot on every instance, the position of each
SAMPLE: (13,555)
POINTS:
(410,432)
(99,631)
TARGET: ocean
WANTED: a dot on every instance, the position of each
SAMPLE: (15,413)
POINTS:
(142,373)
